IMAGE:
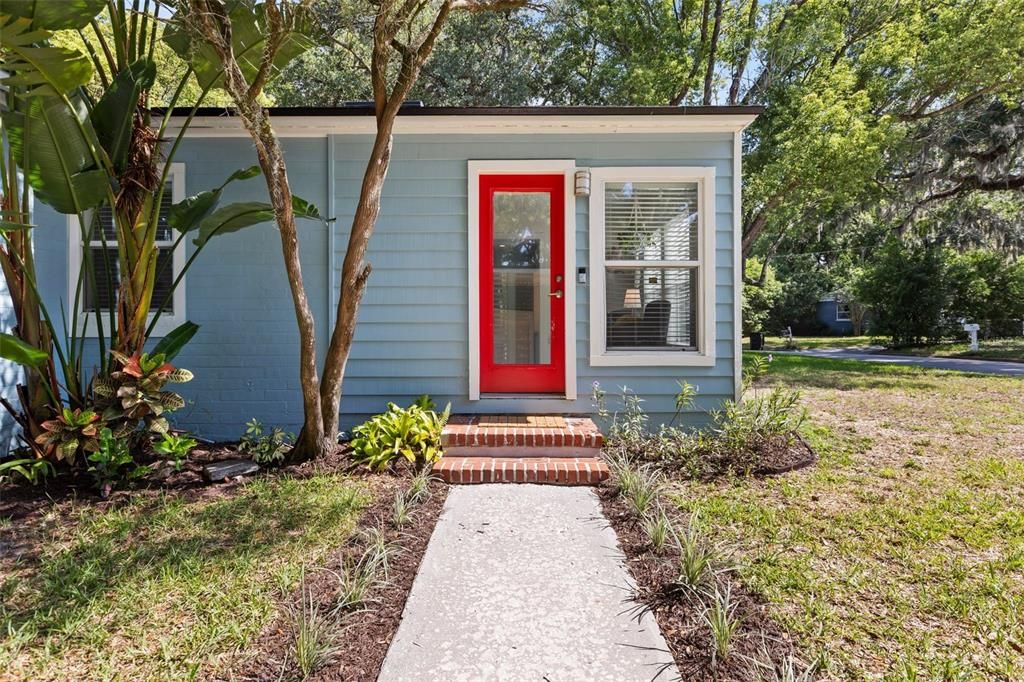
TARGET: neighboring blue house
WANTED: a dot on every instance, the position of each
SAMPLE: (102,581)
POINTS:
(834,314)
(521,255)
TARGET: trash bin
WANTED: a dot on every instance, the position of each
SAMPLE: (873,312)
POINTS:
(757,341)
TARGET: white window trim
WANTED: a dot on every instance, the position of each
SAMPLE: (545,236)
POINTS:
(839,307)
(525,167)
(600,356)
(167,321)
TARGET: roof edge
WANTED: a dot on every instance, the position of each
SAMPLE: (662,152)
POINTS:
(417,111)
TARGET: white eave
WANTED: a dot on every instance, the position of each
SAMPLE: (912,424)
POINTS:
(470,124)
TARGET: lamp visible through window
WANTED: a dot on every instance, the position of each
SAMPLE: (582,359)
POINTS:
(632,300)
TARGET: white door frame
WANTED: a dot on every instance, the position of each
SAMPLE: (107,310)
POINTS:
(567,167)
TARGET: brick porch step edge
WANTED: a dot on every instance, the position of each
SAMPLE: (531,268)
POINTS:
(548,470)
(467,431)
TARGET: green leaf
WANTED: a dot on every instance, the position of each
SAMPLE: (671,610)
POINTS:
(14,349)
(61,169)
(10,226)
(41,68)
(114,115)
(52,15)
(175,340)
(248,31)
(187,214)
(237,216)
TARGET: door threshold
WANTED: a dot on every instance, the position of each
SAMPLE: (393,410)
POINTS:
(524,396)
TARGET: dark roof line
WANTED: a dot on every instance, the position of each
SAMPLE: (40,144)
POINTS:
(414,110)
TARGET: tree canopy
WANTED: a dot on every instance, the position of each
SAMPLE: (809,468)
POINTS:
(905,116)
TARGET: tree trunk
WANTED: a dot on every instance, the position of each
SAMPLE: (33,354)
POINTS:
(313,441)
(354,274)
(741,62)
(709,75)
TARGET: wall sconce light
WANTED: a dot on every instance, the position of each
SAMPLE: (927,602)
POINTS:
(583,183)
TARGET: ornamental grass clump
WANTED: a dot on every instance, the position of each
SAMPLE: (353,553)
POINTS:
(695,565)
(643,491)
(720,617)
(658,529)
(314,634)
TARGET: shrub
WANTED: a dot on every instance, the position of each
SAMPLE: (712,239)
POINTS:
(112,464)
(265,448)
(175,447)
(740,435)
(907,290)
(136,393)
(412,434)
(758,299)
(69,432)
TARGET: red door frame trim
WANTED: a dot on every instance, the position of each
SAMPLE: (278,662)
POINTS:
(496,378)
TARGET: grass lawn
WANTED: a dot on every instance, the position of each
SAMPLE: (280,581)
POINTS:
(996,349)
(901,554)
(157,586)
(818,342)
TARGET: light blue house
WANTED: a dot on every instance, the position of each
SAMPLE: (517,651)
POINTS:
(520,256)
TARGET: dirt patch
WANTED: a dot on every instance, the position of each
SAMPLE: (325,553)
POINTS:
(366,634)
(759,647)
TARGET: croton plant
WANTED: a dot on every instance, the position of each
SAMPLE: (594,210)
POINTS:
(132,394)
(136,392)
(70,431)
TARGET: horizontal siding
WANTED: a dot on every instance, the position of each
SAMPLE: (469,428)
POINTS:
(412,336)
(424,220)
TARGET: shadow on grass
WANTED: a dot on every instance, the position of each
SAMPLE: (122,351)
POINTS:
(118,555)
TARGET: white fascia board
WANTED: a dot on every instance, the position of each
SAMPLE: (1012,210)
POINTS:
(319,126)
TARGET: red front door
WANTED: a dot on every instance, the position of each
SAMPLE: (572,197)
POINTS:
(522,284)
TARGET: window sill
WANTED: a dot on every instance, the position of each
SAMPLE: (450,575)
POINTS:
(627,359)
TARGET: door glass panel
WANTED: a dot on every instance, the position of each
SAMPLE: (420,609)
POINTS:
(522,278)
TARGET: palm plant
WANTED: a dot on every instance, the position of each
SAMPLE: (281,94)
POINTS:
(80,148)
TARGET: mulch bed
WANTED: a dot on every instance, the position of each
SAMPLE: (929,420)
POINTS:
(759,640)
(782,454)
(366,634)
(21,502)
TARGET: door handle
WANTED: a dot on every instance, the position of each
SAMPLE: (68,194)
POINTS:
(556,294)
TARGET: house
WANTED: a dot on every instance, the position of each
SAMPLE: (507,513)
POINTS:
(521,255)
(834,314)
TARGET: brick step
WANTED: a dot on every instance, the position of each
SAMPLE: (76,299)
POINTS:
(529,435)
(548,470)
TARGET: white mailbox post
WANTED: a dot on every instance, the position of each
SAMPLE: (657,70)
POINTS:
(972,329)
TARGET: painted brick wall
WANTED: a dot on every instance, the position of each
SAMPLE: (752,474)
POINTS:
(412,333)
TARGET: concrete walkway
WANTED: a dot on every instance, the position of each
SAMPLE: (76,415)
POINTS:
(524,582)
(955,364)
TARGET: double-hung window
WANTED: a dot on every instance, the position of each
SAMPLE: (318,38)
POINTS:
(99,288)
(843,311)
(652,266)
